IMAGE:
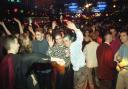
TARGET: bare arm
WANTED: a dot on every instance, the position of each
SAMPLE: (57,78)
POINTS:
(5,28)
(72,26)
(38,26)
(32,31)
(20,26)
(79,35)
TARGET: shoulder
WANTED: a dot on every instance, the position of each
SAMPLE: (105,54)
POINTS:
(34,41)
(122,47)
(44,41)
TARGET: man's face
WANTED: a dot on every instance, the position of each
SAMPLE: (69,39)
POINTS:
(113,32)
(59,40)
(123,37)
(67,42)
(86,33)
(39,36)
(108,37)
(15,46)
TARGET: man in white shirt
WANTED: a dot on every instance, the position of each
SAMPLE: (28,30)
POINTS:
(77,56)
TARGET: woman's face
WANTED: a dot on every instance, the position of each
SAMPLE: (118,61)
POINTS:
(59,40)
(48,37)
(87,33)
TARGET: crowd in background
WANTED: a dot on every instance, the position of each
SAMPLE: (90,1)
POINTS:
(92,54)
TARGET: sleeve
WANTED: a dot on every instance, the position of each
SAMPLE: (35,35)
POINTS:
(51,51)
(39,58)
(73,57)
(110,59)
(120,51)
(33,47)
(79,36)
(27,60)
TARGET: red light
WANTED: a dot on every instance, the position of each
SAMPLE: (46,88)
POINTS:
(15,10)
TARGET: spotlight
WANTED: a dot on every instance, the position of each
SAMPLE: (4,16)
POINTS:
(114,6)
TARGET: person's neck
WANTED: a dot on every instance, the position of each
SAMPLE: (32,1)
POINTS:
(114,37)
(40,40)
(60,44)
(11,51)
(126,43)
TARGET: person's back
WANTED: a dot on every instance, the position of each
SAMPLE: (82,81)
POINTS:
(105,62)
(7,72)
(22,67)
(14,67)
(90,51)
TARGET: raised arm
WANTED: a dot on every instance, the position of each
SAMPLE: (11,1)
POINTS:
(38,26)
(5,28)
(20,26)
(40,58)
(79,35)
(32,31)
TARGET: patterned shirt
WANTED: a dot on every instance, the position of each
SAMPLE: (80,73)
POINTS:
(60,51)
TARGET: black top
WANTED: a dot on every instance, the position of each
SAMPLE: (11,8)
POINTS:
(40,46)
(22,63)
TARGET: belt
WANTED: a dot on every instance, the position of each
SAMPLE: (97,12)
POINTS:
(44,71)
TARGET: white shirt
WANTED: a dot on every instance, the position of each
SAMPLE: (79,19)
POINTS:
(77,56)
(90,52)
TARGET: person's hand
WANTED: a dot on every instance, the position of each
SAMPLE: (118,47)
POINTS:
(59,61)
(54,24)
(30,28)
(34,80)
(51,42)
(37,24)
(71,25)
(93,28)
(17,20)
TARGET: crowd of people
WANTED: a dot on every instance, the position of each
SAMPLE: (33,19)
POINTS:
(64,55)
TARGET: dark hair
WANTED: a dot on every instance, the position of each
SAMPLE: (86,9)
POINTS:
(87,30)
(107,33)
(8,40)
(124,31)
(72,38)
(93,36)
(57,34)
(39,30)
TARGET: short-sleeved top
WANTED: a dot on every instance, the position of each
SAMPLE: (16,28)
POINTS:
(123,51)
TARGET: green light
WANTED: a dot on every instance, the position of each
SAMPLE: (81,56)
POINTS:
(22,11)
(14,1)
(11,0)
(18,0)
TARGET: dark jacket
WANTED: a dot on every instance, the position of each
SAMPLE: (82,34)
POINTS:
(14,68)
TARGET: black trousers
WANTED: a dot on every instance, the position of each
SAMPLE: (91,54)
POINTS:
(65,81)
(44,80)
